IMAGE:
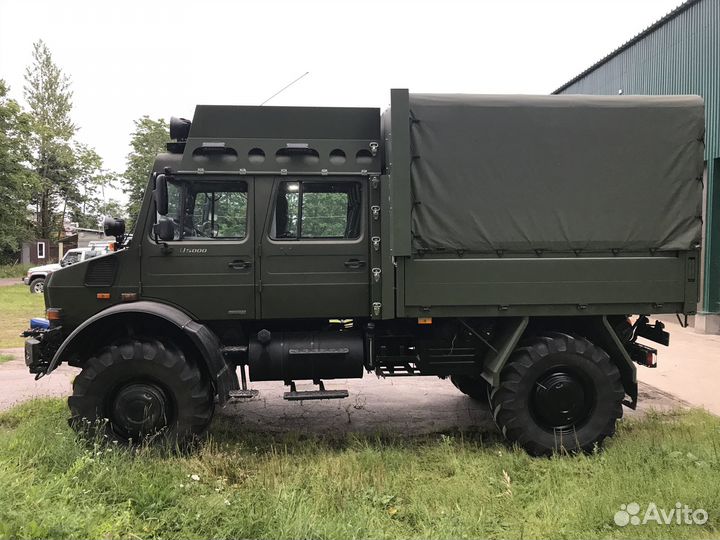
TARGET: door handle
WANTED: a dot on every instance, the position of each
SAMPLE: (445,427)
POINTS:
(354,264)
(239,265)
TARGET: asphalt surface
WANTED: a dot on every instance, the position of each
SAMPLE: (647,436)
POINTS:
(688,368)
(405,405)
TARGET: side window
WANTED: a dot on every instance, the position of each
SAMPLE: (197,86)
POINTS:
(307,210)
(41,250)
(212,211)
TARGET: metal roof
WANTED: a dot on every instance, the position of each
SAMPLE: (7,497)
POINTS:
(649,30)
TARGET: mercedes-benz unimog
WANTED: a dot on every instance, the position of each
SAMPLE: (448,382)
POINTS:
(516,245)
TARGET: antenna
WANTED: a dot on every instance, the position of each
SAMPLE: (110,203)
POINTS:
(284,88)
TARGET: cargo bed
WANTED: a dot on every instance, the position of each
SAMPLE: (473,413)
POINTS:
(541,205)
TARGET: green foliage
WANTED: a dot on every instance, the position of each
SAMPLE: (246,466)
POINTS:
(258,485)
(86,200)
(146,141)
(14,270)
(15,178)
(19,305)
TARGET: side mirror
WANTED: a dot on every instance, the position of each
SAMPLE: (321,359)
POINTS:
(164,229)
(114,227)
(160,193)
(63,263)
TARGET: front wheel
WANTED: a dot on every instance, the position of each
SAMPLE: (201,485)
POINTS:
(559,392)
(37,285)
(140,390)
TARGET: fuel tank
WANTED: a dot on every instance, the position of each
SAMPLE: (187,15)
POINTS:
(291,356)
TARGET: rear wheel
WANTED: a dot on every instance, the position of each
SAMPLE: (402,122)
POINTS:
(37,285)
(558,392)
(137,390)
(476,388)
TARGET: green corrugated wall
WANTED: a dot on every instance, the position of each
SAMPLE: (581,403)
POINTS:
(679,56)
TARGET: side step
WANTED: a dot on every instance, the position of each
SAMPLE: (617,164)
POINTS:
(294,395)
(243,394)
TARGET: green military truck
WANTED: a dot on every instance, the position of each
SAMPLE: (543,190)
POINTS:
(513,244)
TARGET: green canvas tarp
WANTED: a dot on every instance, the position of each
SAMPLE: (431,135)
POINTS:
(556,173)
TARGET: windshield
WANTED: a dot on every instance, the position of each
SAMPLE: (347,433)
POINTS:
(71,257)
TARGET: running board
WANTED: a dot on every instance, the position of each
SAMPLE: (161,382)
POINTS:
(243,394)
(294,395)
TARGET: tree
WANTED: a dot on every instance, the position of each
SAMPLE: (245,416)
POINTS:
(15,178)
(85,201)
(146,141)
(48,94)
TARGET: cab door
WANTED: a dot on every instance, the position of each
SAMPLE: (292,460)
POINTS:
(208,269)
(314,254)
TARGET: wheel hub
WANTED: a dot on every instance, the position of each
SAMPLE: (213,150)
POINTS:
(560,400)
(139,409)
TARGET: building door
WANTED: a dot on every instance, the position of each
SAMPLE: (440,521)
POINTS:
(313,253)
(208,269)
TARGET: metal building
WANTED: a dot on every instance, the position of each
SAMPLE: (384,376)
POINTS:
(679,54)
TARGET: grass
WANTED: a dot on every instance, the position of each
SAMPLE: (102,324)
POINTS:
(17,306)
(14,270)
(258,485)
(5,358)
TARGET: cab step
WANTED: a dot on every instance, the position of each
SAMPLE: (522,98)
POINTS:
(294,395)
(243,392)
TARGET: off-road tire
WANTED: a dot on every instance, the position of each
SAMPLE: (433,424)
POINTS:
(39,283)
(521,406)
(148,374)
(478,389)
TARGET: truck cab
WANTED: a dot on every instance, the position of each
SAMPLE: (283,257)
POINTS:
(299,244)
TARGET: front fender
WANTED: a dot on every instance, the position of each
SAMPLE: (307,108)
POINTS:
(222,376)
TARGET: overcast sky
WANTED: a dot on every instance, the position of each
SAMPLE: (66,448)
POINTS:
(131,58)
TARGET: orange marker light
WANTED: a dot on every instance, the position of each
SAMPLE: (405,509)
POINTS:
(103,296)
(424,320)
(52,314)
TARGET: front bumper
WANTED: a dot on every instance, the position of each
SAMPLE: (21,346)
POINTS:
(33,356)
(40,347)
(26,281)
